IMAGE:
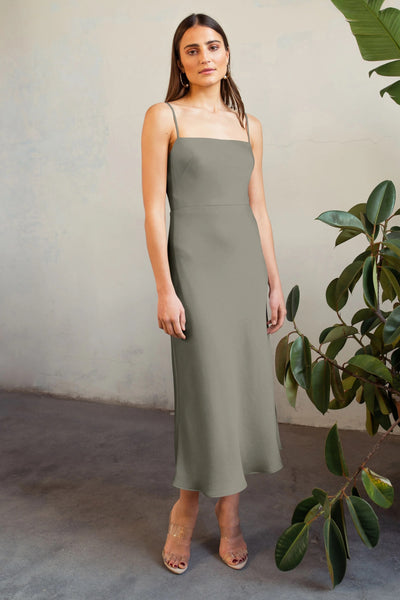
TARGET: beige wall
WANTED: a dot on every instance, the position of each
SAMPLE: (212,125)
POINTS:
(78,312)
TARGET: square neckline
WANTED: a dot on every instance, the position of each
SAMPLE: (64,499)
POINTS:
(209,138)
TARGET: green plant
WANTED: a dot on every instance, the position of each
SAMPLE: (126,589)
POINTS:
(370,377)
(378,36)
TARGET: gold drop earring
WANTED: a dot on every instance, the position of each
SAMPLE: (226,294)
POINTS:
(180,77)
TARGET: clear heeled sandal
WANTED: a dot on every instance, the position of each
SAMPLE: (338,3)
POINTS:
(184,534)
(236,559)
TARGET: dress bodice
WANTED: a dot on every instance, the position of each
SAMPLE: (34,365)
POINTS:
(208,171)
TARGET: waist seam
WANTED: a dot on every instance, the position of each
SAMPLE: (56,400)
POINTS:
(203,205)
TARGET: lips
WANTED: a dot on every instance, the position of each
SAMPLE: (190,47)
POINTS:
(207,70)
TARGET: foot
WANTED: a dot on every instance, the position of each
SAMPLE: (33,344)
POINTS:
(176,551)
(232,547)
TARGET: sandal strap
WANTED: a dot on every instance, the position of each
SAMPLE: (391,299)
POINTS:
(180,531)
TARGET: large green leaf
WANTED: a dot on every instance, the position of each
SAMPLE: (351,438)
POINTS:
(369,325)
(370,282)
(292,303)
(381,201)
(391,330)
(369,364)
(339,331)
(376,346)
(300,361)
(359,210)
(390,69)
(362,314)
(291,386)
(348,398)
(337,514)
(335,551)
(392,279)
(388,292)
(335,347)
(371,423)
(393,245)
(383,401)
(323,500)
(345,235)
(337,384)
(348,278)
(384,421)
(335,302)
(364,519)
(281,358)
(303,508)
(393,90)
(378,488)
(377,33)
(334,453)
(390,258)
(321,385)
(291,546)
(369,395)
(341,219)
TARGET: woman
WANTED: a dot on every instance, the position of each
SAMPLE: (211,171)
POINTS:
(211,277)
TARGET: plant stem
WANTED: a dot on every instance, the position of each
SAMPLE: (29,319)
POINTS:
(373,450)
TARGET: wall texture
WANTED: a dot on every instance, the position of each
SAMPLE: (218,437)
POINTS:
(78,305)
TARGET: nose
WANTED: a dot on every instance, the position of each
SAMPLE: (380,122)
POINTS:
(204,55)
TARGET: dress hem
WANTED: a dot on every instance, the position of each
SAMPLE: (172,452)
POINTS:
(214,494)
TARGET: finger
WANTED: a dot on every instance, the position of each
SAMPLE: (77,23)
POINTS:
(178,329)
(169,328)
(165,326)
(274,317)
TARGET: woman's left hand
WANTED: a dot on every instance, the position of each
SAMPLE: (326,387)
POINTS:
(278,310)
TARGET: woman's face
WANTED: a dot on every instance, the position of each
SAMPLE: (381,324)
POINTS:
(203,48)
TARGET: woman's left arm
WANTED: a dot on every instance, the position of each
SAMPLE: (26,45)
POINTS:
(258,206)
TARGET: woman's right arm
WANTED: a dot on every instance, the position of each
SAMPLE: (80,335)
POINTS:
(155,141)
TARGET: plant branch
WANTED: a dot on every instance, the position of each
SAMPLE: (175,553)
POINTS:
(370,454)
(335,364)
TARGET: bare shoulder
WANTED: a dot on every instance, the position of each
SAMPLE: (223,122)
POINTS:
(254,124)
(158,112)
(158,121)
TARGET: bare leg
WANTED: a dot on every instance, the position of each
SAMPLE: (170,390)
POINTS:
(232,547)
(183,515)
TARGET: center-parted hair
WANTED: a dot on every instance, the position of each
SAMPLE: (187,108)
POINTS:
(229,91)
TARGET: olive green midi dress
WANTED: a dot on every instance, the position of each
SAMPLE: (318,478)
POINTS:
(225,424)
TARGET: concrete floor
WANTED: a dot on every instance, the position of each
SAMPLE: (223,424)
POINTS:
(85,498)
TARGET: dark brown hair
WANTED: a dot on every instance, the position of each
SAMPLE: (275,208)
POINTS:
(229,90)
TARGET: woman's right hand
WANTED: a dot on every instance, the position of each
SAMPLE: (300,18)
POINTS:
(171,314)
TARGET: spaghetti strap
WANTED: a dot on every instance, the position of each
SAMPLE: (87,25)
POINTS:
(176,122)
(247,127)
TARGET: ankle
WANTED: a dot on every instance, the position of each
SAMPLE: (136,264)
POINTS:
(184,513)
(227,512)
